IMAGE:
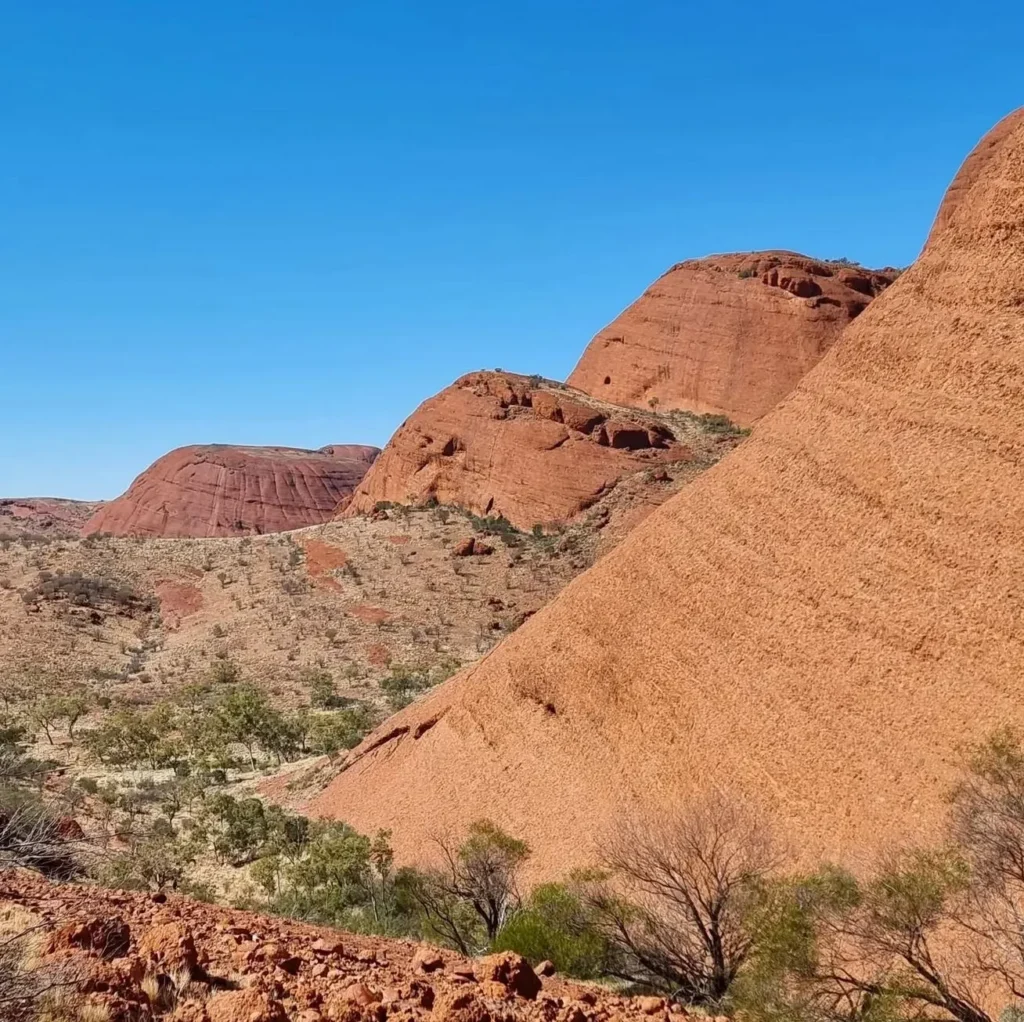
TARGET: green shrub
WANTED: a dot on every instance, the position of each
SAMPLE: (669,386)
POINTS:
(556,925)
(403,684)
(322,694)
(497,525)
(86,591)
(225,672)
(342,729)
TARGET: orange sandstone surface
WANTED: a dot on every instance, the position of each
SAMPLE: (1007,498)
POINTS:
(817,623)
(727,335)
(498,444)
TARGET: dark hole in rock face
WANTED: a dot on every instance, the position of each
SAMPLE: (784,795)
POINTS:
(424,727)
(607,380)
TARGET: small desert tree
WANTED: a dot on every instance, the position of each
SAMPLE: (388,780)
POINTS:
(681,892)
(932,932)
(469,897)
(987,825)
(246,717)
(832,947)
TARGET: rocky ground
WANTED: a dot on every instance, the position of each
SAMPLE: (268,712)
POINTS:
(127,957)
(44,517)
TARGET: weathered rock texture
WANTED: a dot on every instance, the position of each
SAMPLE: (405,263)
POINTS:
(728,335)
(114,951)
(219,490)
(44,516)
(818,623)
(497,444)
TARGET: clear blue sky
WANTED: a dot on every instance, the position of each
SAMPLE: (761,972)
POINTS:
(289,222)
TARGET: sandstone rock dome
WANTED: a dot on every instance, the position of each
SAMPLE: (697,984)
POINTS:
(816,623)
(501,444)
(730,334)
(220,490)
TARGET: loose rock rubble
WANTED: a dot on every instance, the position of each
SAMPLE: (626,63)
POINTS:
(140,957)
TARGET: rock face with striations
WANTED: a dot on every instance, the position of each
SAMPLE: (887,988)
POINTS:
(817,624)
(220,490)
(497,444)
(728,335)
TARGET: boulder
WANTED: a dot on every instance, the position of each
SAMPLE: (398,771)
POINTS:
(427,959)
(512,971)
(460,1006)
(361,995)
(471,547)
(170,946)
(108,937)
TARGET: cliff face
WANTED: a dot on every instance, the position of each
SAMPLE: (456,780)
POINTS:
(497,444)
(219,490)
(818,623)
(730,335)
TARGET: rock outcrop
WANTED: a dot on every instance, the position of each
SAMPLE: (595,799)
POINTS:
(220,490)
(500,444)
(45,516)
(727,335)
(817,624)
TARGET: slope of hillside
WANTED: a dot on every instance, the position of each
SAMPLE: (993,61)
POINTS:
(140,617)
(728,335)
(220,490)
(513,446)
(817,623)
(44,516)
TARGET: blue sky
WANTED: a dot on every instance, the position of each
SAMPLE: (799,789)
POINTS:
(271,222)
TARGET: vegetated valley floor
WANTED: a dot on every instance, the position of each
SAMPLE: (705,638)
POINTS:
(136,619)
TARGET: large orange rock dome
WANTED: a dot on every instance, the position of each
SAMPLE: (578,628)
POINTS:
(817,623)
(500,444)
(220,490)
(729,335)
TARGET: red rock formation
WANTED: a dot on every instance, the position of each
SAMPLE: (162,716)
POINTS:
(496,444)
(219,490)
(45,516)
(817,624)
(728,335)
